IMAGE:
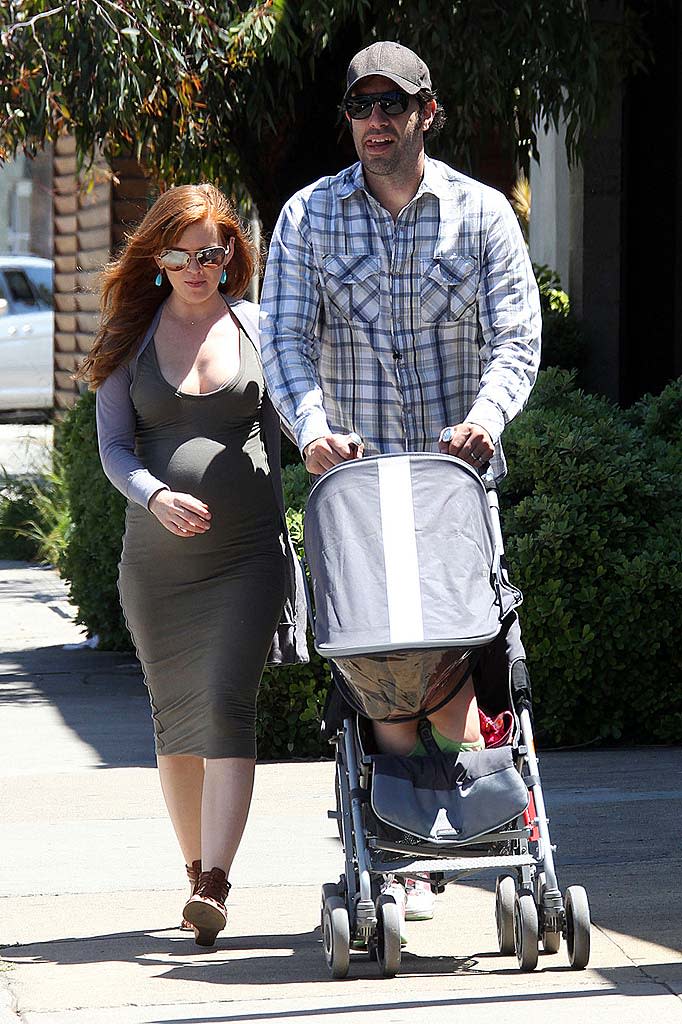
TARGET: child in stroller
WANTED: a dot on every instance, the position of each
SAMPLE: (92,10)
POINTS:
(413,607)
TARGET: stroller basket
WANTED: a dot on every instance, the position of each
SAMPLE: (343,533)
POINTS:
(450,800)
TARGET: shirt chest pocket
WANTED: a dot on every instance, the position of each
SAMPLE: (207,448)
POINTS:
(449,285)
(352,286)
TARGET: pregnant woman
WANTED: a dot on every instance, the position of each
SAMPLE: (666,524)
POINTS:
(207,576)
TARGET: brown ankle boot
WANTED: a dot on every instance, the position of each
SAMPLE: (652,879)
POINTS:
(205,909)
(193,872)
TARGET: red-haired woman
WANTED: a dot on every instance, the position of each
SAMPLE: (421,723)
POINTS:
(207,575)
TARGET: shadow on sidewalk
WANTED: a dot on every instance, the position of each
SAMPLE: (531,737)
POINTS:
(285,959)
(365,1010)
(100,696)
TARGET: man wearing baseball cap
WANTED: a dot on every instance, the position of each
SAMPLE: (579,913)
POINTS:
(399,304)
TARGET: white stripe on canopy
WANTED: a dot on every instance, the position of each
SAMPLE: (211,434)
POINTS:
(403,590)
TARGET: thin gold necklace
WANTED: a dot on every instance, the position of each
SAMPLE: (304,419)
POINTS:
(192,323)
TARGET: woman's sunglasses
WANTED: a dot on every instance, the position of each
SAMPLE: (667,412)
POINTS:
(179,259)
(360,107)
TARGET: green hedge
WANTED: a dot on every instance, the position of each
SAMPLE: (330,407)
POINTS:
(97,512)
(591,512)
(34,518)
(563,339)
(17,512)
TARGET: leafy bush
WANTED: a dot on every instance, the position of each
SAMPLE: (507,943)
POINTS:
(97,510)
(591,520)
(290,704)
(34,518)
(17,512)
(660,421)
(563,341)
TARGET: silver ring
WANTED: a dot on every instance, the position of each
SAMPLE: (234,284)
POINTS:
(355,439)
(479,458)
(447,434)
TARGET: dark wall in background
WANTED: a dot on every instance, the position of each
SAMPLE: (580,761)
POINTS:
(651,221)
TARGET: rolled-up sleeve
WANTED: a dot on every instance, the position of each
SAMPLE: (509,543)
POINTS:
(291,306)
(511,322)
(116,423)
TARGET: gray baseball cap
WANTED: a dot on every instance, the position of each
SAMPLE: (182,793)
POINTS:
(402,66)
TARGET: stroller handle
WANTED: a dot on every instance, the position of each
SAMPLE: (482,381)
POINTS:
(355,441)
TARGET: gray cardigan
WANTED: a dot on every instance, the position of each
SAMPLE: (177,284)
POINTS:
(116,424)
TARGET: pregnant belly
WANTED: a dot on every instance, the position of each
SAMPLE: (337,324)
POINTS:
(232,480)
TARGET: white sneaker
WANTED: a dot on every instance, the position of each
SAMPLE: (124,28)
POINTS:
(392,887)
(418,900)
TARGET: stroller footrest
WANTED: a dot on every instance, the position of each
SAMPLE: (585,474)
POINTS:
(406,867)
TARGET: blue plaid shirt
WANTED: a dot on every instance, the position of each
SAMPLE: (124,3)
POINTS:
(398,329)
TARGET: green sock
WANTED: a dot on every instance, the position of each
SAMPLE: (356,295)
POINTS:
(448,746)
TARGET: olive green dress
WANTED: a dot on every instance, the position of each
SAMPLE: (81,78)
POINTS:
(203,610)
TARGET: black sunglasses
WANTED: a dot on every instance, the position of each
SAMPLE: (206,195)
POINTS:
(392,103)
(179,259)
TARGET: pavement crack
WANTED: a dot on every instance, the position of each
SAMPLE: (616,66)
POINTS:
(641,968)
(9,1002)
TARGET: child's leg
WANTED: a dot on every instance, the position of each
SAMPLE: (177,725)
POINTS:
(459,720)
(395,737)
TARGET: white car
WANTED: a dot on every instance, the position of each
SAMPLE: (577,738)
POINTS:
(26,333)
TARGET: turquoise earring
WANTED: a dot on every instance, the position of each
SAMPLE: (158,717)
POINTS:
(223,277)
(158,280)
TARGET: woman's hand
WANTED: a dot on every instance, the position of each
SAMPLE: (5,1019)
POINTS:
(181,514)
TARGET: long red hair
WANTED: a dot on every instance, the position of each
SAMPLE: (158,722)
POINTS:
(130,298)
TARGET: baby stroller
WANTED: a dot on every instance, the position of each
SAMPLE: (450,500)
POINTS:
(409,580)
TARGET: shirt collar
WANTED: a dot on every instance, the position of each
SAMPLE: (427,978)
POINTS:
(434,180)
(353,180)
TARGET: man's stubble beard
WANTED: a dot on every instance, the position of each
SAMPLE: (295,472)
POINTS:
(382,166)
(402,157)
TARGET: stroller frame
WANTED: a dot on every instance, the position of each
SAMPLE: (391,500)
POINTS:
(529,907)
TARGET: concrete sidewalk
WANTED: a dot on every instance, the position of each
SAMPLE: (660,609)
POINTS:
(92,883)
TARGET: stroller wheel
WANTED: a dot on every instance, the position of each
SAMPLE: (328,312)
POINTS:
(526,931)
(336,936)
(551,940)
(388,936)
(505,893)
(329,891)
(577,927)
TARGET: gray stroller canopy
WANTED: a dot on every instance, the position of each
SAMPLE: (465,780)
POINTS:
(402,554)
(406,576)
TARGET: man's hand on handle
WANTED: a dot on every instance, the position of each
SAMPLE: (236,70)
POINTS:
(469,442)
(326,452)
